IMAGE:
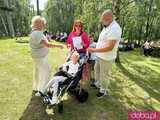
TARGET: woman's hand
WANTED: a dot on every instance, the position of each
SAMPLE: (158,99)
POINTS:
(47,44)
(83,44)
(59,46)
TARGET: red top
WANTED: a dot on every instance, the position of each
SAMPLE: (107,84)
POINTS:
(85,40)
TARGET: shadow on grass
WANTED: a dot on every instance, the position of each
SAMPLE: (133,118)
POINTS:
(155,65)
(24,41)
(150,83)
(35,110)
(20,40)
(5,38)
(107,108)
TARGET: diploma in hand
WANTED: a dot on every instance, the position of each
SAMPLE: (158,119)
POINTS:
(77,42)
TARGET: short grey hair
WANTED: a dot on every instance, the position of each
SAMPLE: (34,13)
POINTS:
(107,12)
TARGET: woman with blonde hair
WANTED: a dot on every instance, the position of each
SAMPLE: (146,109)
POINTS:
(39,51)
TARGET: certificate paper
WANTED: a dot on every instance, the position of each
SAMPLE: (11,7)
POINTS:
(77,42)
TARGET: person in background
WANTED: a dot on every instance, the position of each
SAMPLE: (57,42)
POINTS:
(92,59)
(39,51)
(64,37)
(146,48)
(57,36)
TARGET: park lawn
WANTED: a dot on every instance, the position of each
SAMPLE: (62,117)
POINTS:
(134,86)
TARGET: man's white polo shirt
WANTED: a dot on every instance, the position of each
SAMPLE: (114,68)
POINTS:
(112,32)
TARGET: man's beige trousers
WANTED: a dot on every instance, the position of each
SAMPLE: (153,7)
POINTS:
(102,74)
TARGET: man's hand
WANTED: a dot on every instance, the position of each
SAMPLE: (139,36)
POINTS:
(108,47)
(90,50)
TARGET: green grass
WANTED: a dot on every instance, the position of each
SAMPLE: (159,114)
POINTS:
(134,86)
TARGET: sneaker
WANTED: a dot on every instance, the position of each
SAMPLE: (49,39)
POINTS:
(34,92)
(100,95)
(46,100)
(38,94)
(92,79)
(92,85)
(54,101)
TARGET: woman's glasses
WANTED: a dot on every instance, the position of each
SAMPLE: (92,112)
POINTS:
(78,26)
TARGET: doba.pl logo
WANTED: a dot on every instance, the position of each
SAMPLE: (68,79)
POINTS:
(146,115)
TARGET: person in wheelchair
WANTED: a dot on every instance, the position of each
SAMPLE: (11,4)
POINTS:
(67,70)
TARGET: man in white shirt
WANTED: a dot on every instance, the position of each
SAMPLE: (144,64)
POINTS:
(106,51)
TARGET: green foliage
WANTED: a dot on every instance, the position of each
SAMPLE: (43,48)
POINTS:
(22,16)
(15,15)
(139,19)
(61,14)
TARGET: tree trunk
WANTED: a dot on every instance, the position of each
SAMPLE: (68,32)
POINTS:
(5,27)
(148,20)
(38,12)
(9,19)
(116,11)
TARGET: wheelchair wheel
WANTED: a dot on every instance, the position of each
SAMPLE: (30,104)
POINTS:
(46,100)
(82,95)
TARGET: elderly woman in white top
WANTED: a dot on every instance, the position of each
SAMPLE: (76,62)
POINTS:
(39,51)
